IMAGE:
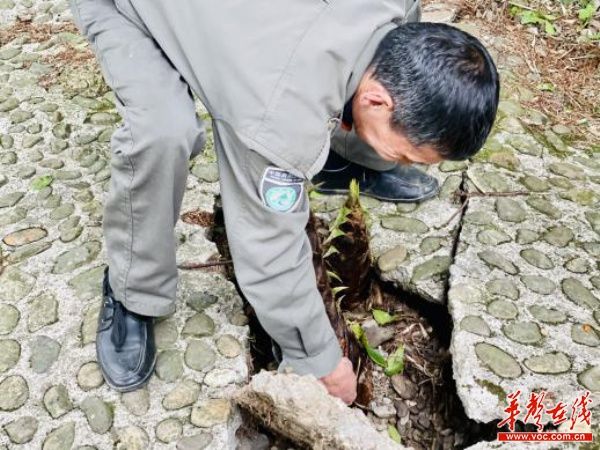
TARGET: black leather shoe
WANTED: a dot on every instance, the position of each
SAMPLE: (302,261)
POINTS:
(404,183)
(125,346)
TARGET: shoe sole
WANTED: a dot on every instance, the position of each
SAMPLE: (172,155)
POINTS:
(128,388)
(377,197)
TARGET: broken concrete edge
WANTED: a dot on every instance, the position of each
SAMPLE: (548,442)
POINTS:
(299,408)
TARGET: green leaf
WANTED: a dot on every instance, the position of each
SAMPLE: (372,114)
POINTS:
(548,87)
(357,330)
(354,190)
(377,357)
(335,290)
(383,317)
(528,17)
(330,251)
(314,195)
(586,14)
(336,233)
(333,276)
(393,433)
(395,362)
(41,182)
(549,28)
(373,354)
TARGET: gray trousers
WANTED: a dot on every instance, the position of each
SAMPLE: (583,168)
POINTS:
(150,156)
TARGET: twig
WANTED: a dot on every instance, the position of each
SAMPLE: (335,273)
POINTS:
(204,265)
(492,194)
(519,5)
(467,195)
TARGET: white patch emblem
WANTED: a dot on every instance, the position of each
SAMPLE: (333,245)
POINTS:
(280,190)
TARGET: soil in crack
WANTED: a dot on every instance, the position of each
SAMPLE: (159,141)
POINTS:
(421,403)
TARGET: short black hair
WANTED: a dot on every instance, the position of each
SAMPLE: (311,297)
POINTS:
(444,85)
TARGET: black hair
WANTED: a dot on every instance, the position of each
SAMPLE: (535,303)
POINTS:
(444,85)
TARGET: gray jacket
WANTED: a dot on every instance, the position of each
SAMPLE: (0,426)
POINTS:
(275,76)
(282,69)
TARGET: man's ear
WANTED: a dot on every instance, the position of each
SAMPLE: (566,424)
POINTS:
(376,96)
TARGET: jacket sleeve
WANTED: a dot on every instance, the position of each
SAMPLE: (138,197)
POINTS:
(273,259)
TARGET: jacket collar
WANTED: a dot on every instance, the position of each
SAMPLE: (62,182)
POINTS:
(365,58)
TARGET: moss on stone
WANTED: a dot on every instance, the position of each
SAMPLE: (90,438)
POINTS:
(493,389)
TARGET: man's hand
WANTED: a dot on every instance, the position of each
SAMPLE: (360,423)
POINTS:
(341,382)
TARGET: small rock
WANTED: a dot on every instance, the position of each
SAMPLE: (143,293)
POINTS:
(502,309)
(377,335)
(131,438)
(14,392)
(558,236)
(57,401)
(44,352)
(196,442)
(549,363)
(229,346)
(523,332)
(212,412)
(60,438)
(220,377)
(525,236)
(434,267)
(492,237)
(89,376)
(475,324)
(15,284)
(567,170)
(547,315)
(510,210)
(169,430)
(534,184)
(498,361)
(9,318)
(89,326)
(503,287)
(165,334)
(22,430)
(585,334)
(545,207)
(199,356)
(25,236)
(169,365)
(75,258)
(88,284)
(536,258)
(199,325)
(404,224)
(405,388)
(579,294)
(429,245)
(10,352)
(495,260)
(137,402)
(99,414)
(590,378)
(538,284)
(392,258)
(383,411)
(43,311)
(183,394)
(577,265)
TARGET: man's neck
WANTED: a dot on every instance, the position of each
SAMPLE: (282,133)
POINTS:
(347,120)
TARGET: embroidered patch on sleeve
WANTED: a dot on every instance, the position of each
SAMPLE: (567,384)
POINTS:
(280,190)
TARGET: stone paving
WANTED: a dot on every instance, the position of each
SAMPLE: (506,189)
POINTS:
(54,173)
(520,273)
